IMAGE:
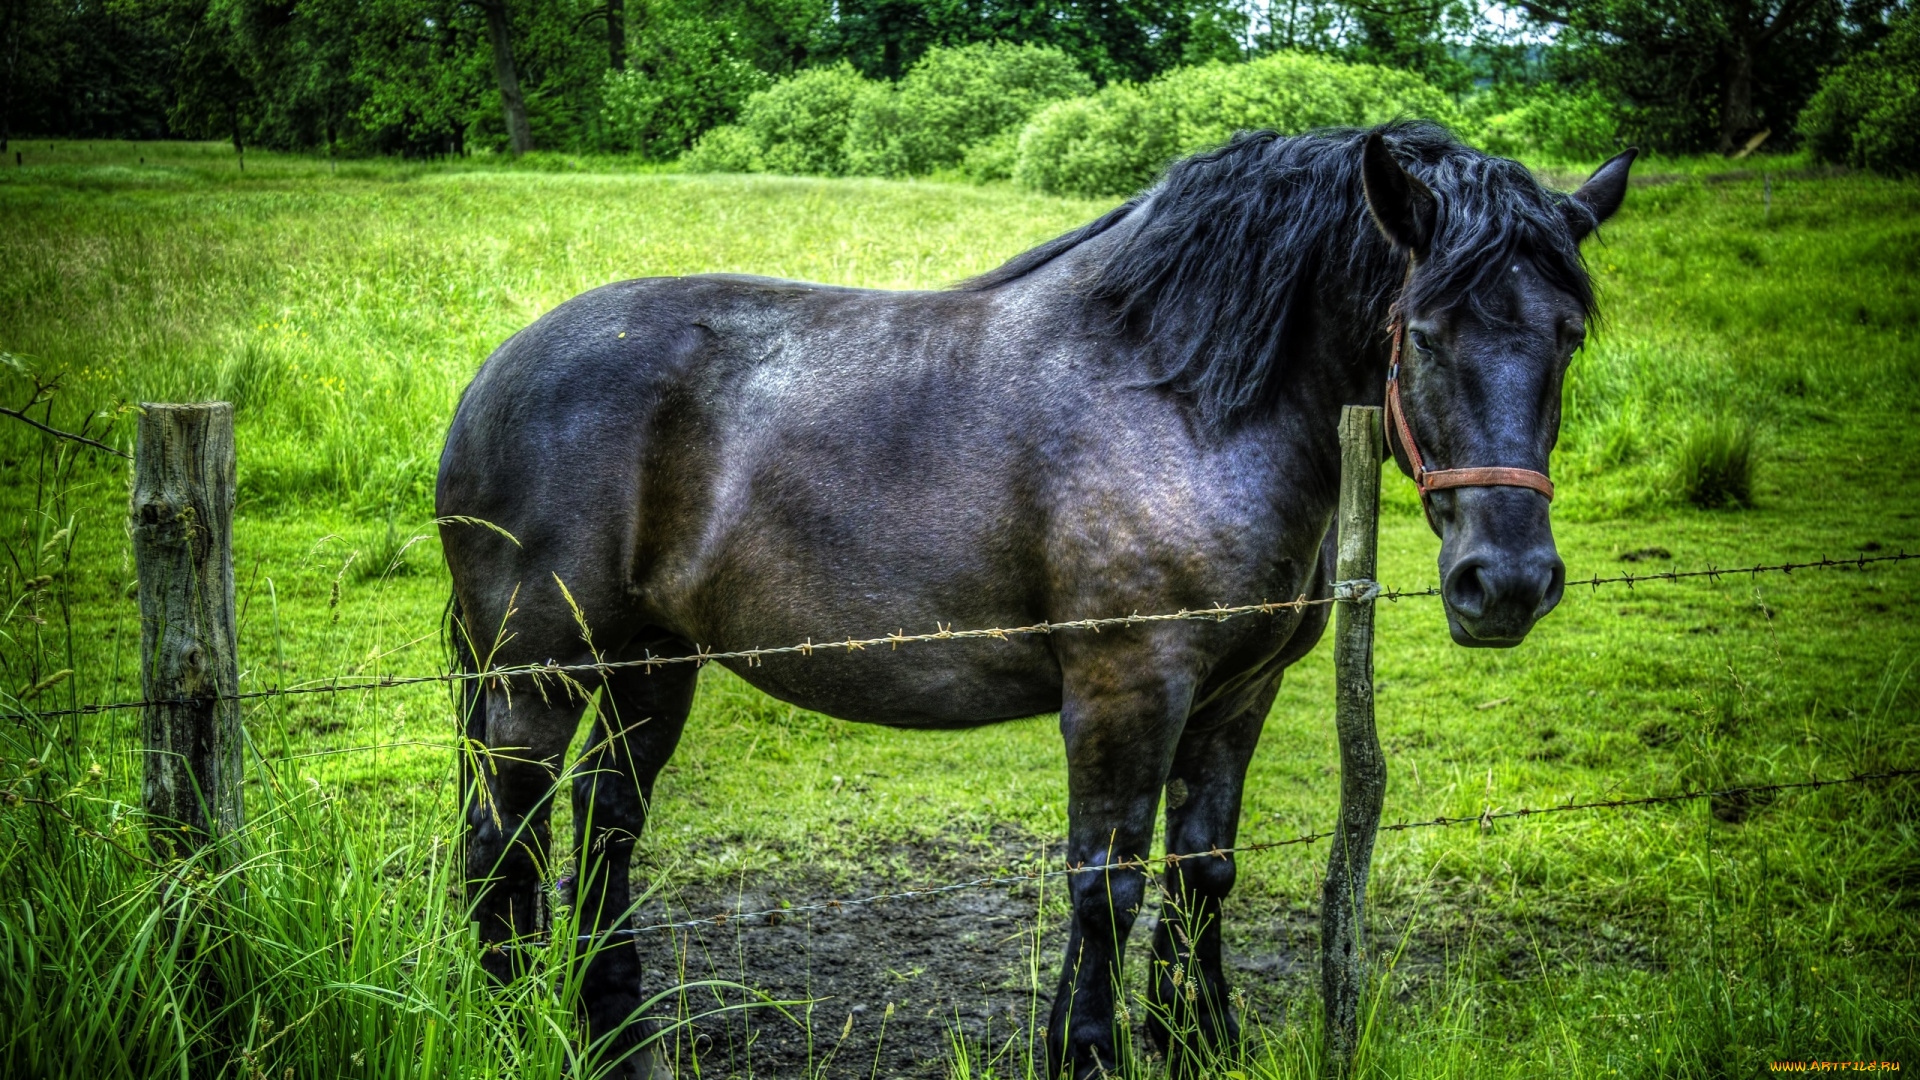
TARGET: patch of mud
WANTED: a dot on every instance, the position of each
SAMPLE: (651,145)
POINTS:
(965,964)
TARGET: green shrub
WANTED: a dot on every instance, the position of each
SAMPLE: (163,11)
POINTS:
(1552,123)
(953,99)
(689,78)
(1290,93)
(993,159)
(1109,143)
(796,126)
(1113,142)
(727,148)
(1867,112)
(1713,465)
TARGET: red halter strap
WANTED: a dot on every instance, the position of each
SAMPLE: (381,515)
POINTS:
(1400,442)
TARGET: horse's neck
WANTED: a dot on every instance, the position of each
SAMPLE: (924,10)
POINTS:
(1342,361)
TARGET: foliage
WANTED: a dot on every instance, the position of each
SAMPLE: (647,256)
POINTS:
(797,126)
(1435,40)
(1867,112)
(1107,144)
(418,94)
(423,77)
(691,79)
(86,68)
(953,99)
(832,122)
(1698,74)
(1549,123)
(729,148)
(1114,142)
(1135,40)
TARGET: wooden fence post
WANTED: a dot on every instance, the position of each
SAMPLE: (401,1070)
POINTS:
(182,526)
(1363,780)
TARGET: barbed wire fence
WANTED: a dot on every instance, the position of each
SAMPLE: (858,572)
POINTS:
(1343,591)
(1346,591)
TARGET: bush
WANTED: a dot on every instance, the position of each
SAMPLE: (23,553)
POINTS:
(796,126)
(727,148)
(1553,123)
(689,79)
(954,99)
(1108,144)
(1714,464)
(1867,112)
(1290,93)
(832,122)
(1113,142)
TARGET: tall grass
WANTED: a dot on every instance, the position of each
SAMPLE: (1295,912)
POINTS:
(1713,465)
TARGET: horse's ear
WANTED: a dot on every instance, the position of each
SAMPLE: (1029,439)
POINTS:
(1601,195)
(1402,206)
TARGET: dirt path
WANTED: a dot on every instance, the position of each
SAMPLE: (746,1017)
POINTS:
(964,963)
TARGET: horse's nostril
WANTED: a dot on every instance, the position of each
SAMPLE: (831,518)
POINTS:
(1467,591)
(1556,587)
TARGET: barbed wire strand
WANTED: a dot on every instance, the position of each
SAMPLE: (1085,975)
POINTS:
(1345,591)
(1713,573)
(1484,819)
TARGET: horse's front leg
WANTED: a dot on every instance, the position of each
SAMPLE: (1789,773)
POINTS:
(1122,715)
(1188,997)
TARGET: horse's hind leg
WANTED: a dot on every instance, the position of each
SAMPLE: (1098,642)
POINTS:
(1188,995)
(510,764)
(637,728)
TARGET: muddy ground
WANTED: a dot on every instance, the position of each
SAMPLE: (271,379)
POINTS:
(963,963)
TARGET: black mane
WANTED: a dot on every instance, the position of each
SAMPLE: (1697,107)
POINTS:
(1234,240)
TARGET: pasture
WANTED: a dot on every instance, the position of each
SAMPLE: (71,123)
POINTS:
(342,310)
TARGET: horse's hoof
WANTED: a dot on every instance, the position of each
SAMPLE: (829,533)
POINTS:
(647,1063)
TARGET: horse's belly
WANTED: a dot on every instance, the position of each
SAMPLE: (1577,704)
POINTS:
(933,684)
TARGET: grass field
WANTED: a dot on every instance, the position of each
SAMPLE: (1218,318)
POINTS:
(343,310)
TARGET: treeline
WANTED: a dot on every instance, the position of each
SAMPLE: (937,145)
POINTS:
(1049,92)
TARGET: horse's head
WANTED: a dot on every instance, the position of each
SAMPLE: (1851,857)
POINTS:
(1496,306)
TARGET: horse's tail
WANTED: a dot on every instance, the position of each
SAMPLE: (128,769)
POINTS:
(463,666)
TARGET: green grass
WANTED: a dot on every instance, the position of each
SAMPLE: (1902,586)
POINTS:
(342,311)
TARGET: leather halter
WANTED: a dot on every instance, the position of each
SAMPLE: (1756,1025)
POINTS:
(1407,452)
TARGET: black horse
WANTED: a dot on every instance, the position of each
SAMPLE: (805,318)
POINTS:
(1138,416)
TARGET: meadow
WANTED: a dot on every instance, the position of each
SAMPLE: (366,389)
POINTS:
(1746,399)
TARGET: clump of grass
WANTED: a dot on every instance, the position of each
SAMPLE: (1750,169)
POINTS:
(1713,465)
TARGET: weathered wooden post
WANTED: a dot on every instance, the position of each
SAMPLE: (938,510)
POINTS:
(182,526)
(1363,779)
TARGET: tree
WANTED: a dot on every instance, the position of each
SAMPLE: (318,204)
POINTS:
(512,102)
(1698,72)
(1867,113)
(1110,39)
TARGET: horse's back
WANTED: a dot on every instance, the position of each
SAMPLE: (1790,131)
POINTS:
(744,461)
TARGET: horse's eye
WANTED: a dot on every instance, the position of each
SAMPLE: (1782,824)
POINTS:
(1420,340)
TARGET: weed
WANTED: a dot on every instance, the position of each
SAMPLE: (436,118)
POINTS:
(1713,465)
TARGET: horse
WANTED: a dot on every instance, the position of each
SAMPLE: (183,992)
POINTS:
(1138,416)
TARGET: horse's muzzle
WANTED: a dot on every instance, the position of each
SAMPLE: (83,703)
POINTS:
(1495,588)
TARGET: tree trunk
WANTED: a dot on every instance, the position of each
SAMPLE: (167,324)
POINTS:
(9,40)
(617,34)
(500,29)
(1736,95)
